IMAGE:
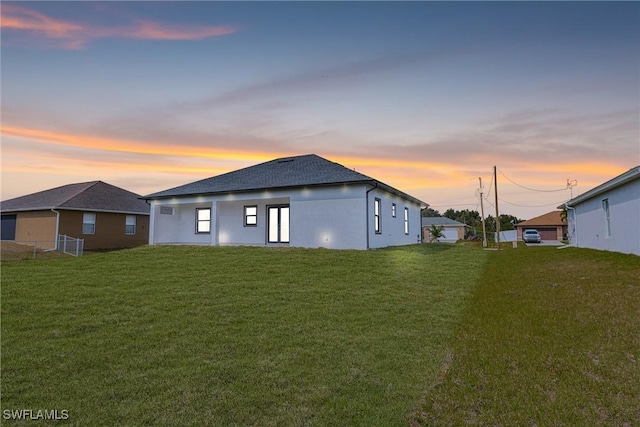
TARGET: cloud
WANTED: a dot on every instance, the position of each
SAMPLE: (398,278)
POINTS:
(333,79)
(74,35)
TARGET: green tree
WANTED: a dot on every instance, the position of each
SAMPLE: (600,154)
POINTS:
(435,232)
(430,212)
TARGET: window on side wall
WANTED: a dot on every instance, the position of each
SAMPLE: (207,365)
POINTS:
(393,210)
(88,223)
(130,225)
(376,216)
(250,216)
(607,217)
(203,220)
(406,220)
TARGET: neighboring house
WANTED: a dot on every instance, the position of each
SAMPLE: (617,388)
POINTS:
(105,216)
(550,226)
(452,230)
(607,217)
(303,201)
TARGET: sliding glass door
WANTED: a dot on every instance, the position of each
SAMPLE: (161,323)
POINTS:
(278,220)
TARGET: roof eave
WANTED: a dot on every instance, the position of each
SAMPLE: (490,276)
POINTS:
(63,208)
(622,179)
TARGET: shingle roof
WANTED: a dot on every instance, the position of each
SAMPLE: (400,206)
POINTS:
(94,195)
(441,220)
(551,218)
(286,172)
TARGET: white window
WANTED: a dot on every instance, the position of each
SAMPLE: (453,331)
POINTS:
(203,220)
(607,218)
(376,216)
(406,220)
(130,225)
(250,216)
(393,210)
(88,223)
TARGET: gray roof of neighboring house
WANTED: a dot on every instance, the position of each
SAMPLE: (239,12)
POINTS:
(630,175)
(428,221)
(93,196)
(286,172)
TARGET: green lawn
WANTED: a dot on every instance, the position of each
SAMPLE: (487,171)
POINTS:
(426,334)
(233,336)
(550,337)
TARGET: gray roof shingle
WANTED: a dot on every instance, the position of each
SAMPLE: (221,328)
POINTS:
(94,195)
(440,220)
(286,172)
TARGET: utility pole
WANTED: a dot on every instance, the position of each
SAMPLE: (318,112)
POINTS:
(570,185)
(495,180)
(484,229)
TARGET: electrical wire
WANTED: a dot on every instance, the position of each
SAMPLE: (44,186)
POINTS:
(527,206)
(531,189)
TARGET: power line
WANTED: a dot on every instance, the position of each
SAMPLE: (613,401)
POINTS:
(530,189)
(527,206)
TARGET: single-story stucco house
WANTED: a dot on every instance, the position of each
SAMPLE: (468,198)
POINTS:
(452,230)
(551,226)
(302,201)
(105,216)
(607,217)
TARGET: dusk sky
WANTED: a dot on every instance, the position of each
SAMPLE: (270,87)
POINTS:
(424,96)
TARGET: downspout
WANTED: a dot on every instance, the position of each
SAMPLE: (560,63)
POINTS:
(57,228)
(575,226)
(367,200)
(421,231)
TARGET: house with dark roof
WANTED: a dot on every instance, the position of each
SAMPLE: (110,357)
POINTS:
(105,216)
(452,230)
(302,201)
(607,217)
(551,226)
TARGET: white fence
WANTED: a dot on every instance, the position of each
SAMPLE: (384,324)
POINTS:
(70,245)
(507,236)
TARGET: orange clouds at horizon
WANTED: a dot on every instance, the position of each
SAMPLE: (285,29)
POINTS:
(76,35)
(39,159)
(188,160)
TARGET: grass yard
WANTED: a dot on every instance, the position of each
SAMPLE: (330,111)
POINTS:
(550,337)
(233,336)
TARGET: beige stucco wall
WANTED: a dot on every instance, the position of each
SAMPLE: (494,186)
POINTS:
(36,226)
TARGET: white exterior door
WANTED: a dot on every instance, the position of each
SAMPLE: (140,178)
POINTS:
(278,220)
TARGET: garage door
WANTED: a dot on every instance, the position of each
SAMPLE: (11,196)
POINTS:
(548,233)
(8,230)
(450,235)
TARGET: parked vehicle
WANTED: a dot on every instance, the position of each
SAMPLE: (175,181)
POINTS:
(531,236)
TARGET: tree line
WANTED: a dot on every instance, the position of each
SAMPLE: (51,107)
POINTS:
(474,220)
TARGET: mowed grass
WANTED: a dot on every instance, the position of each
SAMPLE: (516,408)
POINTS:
(550,337)
(232,336)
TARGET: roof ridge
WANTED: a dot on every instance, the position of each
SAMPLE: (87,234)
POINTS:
(76,194)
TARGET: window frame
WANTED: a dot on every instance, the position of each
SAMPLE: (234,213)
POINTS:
(203,221)
(393,210)
(406,221)
(85,222)
(247,216)
(607,217)
(377,222)
(126,224)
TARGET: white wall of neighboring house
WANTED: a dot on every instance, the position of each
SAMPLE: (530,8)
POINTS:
(588,225)
(332,217)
